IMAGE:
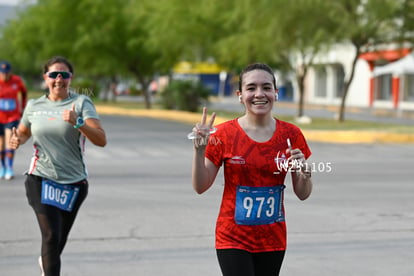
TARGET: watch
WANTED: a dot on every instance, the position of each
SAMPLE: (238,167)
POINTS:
(79,123)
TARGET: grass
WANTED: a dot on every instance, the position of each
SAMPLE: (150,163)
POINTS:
(331,124)
(317,123)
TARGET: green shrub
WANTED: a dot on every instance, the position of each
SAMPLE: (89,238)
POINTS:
(184,95)
(134,91)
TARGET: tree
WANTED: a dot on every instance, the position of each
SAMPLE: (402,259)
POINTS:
(307,32)
(183,29)
(248,32)
(102,38)
(143,38)
(366,25)
(101,47)
(31,37)
(405,19)
(287,38)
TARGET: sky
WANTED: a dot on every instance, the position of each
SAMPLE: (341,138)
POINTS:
(9,2)
(13,2)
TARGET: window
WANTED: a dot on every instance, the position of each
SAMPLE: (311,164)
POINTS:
(320,82)
(408,86)
(383,87)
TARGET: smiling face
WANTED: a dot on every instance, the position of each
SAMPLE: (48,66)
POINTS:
(257,92)
(58,87)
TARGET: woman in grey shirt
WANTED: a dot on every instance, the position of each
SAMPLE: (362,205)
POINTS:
(56,183)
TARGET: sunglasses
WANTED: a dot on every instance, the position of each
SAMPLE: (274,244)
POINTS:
(65,75)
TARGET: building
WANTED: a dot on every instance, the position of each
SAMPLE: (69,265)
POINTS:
(382,80)
(213,76)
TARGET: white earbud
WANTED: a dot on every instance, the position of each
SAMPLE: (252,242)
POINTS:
(276,97)
(240,98)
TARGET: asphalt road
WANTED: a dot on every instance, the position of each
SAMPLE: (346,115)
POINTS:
(142,218)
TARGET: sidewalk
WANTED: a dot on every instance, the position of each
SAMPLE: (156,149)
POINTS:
(285,108)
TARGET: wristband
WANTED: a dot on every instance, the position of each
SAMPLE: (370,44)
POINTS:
(79,123)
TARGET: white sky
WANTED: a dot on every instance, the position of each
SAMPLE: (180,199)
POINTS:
(9,2)
(14,2)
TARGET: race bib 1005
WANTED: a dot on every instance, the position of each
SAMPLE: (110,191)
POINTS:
(62,196)
(259,205)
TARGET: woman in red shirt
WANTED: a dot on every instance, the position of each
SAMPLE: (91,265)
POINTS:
(257,151)
(11,109)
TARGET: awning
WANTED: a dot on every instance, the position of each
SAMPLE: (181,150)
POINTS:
(399,67)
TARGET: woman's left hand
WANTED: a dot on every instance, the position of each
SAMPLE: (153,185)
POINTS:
(69,115)
(297,159)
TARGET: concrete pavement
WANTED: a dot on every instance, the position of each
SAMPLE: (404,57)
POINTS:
(142,217)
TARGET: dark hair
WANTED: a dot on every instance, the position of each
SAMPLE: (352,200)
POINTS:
(57,59)
(256,66)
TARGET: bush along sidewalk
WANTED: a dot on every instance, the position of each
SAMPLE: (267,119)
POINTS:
(184,95)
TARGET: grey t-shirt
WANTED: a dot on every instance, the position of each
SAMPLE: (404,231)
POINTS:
(58,146)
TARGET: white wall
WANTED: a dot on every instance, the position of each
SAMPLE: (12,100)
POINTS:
(358,94)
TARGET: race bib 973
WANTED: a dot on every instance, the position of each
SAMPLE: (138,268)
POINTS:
(259,205)
(62,196)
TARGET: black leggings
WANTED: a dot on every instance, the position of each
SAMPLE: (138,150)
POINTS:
(54,223)
(236,262)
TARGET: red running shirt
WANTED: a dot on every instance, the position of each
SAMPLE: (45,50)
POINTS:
(10,107)
(250,163)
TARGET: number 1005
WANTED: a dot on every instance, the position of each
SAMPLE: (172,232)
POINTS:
(51,193)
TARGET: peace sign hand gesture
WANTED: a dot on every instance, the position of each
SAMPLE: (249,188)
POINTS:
(201,131)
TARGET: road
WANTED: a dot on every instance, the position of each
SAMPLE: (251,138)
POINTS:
(142,218)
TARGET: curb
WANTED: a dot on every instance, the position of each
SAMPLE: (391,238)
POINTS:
(354,137)
(171,115)
(324,136)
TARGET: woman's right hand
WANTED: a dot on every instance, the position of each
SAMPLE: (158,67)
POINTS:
(14,141)
(202,130)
